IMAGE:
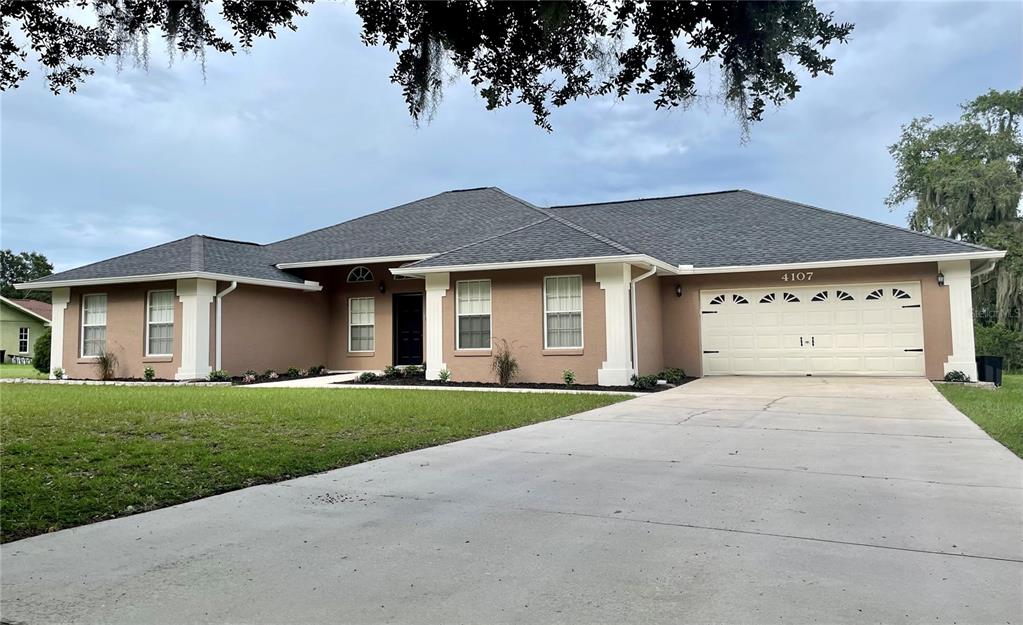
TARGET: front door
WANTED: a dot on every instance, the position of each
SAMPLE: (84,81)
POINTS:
(408,329)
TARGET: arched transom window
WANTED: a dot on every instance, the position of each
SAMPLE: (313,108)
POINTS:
(360,274)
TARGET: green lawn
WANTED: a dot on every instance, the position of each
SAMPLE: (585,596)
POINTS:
(20,371)
(71,455)
(998,412)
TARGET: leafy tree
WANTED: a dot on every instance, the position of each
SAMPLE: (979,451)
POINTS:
(15,268)
(539,53)
(966,179)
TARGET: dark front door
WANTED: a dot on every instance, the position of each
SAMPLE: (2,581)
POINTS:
(408,329)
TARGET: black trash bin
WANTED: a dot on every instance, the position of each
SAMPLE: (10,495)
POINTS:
(989,369)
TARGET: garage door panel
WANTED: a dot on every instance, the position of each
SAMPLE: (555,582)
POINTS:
(841,330)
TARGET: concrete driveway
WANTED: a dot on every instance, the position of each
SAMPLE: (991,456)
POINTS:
(731,500)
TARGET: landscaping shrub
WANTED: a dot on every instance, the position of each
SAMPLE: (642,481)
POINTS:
(317,370)
(506,366)
(414,371)
(249,378)
(998,340)
(269,374)
(444,375)
(58,373)
(391,372)
(41,353)
(672,376)
(956,376)
(106,364)
(368,376)
(293,372)
(149,374)
(219,376)
(644,382)
(568,377)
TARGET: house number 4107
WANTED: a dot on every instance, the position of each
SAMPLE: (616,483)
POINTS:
(800,276)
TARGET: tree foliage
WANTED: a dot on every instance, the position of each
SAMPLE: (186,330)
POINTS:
(540,53)
(966,179)
(22,267)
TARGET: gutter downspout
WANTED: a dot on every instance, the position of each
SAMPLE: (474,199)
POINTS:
(220,317)
(632,321)
(985,268)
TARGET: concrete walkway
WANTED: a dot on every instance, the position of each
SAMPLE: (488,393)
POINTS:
(730,500)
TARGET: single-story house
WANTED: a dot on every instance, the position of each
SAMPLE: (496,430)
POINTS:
(22,321)
(725,283)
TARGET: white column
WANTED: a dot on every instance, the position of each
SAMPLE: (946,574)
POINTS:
(196,295)
(960,301)
(59,298)
(437,285)
(614,279)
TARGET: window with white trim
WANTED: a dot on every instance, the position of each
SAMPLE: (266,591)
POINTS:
(23,340)
(160,323)
(473,314)
(361,324)
(563,311)
(360,274)
(94,324)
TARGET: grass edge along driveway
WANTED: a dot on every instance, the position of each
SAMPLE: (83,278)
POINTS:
(998,412)
(71,455)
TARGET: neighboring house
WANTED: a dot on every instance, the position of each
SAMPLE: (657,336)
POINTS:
(22,321)
(733,282)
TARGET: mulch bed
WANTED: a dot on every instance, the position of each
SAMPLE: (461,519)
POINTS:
(514,385)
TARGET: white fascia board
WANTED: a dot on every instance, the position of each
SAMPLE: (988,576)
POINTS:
(308,285)
(857,262)
(640,259)
(369,260)
(15,304)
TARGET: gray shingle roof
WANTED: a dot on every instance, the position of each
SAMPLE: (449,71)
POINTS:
(196,253)
(429,226)
(745,228)
(486,225)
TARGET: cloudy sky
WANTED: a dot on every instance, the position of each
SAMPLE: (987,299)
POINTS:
(307,131)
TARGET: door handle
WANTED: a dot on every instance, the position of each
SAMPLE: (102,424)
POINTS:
(800,341)
(813,342)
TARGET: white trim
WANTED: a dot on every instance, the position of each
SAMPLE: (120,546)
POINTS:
(59,299)
(15,304)
(362,325)
(615,279)
(459,315)
(28,339)
(436,285)
(149,322)
(82,326)
(958,281)
(582,326)
(308,285)
(551,262)
(893,260)
(369,260)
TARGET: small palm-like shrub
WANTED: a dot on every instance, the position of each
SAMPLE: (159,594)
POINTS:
(568,377)
(149,374)
(505,365)
(106,365)
(444,375)
(58,374)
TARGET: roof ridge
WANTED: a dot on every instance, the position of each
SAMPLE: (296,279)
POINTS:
(599,237)
(869,221)
(15,302)
(647,199)
(483,240)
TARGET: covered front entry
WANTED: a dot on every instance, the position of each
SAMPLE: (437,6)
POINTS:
(408,328)
(842,329)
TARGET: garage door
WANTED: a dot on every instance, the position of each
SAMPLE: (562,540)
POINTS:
(851,329)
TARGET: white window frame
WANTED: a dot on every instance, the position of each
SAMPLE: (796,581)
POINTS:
(81,323)
(28,342)
(149,322)
(459,315)
(361,325)
(363,280)
(582,325)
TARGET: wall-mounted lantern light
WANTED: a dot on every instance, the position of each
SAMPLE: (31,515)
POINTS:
(678,290)
(382,287)
(941,279)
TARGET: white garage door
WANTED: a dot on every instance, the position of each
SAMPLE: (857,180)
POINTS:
(851,329)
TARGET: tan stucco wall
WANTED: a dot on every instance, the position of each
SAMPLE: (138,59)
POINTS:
(681,316)
(271,328)
(126,332)
(649,332)
(517,315)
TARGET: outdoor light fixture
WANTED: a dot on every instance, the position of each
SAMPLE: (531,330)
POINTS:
(678,290)
(383,287)
(941,279)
